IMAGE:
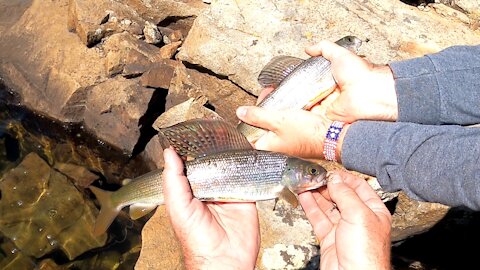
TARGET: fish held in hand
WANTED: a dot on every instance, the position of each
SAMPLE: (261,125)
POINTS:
(298,83)
(223,167)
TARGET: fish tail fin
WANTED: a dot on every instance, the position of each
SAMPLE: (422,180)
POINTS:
(108,211)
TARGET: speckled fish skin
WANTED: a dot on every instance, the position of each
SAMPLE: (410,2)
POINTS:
(232,176)
(307,84)
(248,175)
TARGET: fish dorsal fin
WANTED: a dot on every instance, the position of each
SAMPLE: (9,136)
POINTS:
(277,69)
(201,137)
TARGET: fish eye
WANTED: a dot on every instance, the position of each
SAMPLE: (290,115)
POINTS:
(312,170)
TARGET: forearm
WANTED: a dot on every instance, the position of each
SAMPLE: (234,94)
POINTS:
(430,163)
(441,88)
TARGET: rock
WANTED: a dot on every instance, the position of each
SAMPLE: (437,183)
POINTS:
(151,33)
(170,35)
(183,25)
(450,12)
(125,50)
(249,33)
(413,217)
(223,96)
(470,6)
(11,258)
(159,75)
(169,50)
(287,238)
(79,174)
(158,238)
(190,109)
(42,211)
(43,62)
(94,20)
(157,11)
(113,109)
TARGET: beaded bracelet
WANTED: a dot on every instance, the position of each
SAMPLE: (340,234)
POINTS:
(331,138)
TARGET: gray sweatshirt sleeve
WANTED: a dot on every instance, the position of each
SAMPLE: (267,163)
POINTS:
(441,88)
(429,163)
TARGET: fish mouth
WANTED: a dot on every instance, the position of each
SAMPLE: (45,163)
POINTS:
(311,183)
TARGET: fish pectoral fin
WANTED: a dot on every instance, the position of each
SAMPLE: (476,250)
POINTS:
(277,69)
(321,96)
(289,197)
(139,210)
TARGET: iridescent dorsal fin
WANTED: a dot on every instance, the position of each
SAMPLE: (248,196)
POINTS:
(277,69)
(201,137)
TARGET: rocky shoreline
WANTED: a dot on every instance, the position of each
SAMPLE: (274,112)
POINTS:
(115,66)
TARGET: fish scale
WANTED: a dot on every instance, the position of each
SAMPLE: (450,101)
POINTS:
(243,175)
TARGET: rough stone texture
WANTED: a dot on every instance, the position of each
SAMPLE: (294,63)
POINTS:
(222,95)
(80,175)
(94,20)
(162,241)
(45,63)
(245,35)
(151,33)
(159,10)
(42,211)
(413,217)
(169,50)
(159,75)
(190,109)
(470,6)
(113,109)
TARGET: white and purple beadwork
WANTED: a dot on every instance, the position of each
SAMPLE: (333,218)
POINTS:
(331,138)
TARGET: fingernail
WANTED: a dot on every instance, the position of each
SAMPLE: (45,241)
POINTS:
(335,179)
(241,111)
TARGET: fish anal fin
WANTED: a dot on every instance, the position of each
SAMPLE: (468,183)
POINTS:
(288,196)
(108,211)
(277,69)
(202,137)
(138,210)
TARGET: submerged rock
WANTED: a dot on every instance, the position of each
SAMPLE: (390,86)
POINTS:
(42,211)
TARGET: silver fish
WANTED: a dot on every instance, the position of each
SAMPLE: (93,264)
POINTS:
(239,174)
(298,83)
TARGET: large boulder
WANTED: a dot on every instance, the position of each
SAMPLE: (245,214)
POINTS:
(244,36)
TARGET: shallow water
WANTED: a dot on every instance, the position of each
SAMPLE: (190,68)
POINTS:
(46,213)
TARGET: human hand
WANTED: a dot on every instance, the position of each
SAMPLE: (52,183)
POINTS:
(356,233)
(293,132)
(367,91)
(212,235)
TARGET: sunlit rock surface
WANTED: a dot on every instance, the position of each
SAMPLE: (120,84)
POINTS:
(245,35)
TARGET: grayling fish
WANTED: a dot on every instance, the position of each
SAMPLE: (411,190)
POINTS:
(225,168)
(299,84)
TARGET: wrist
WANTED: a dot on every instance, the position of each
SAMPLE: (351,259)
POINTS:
(333,141)
(338,151)
(386,94)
